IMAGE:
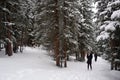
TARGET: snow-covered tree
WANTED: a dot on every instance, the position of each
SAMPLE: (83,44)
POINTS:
(109,23)
(76,27)
(8,12)
(86,37)
(17,18)
(26,21)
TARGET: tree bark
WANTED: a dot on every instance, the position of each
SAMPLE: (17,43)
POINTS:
(82,55)
(21,42)
(61,25)
(56,50)
(56,35)
(8,34)
(65,54)
(65,43)
(15,47)
(9,44)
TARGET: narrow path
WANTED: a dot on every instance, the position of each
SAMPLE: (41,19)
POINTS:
(35,64)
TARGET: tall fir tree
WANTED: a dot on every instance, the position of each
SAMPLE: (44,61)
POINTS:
(8,11)
(108,21)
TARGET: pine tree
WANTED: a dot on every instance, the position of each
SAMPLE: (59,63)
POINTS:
(109,26)
(86,37)
(7,21)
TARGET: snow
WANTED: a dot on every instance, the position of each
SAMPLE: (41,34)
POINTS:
(117,2)
(103,13)
(8,40)
(117,60)
(35,64)
(115,15)
(73,41)
(102,27)
(9,23)
(94,9)
(110,26)
(6,10)
(103,35)
(13,3)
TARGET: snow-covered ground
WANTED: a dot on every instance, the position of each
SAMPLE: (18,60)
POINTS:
(35,64)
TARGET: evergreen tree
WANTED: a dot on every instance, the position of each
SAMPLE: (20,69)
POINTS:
(76,23)
(86,37)
(8,10)
(109,26)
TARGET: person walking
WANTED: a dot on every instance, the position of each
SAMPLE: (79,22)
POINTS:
(95,56)
(89,60)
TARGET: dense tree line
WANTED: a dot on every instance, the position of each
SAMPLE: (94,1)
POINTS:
(16,24)
(63,26)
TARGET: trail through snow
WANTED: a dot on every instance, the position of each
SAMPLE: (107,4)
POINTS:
(35,64)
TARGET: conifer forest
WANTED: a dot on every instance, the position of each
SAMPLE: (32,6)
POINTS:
(57,36)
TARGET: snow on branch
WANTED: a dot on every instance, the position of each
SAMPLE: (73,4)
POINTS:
(8,40)
(13,3)
(73,41)
(110,26)
(115,15)
(9,23)
(114,3)
(6,10)
(103,13)
(102,27)
(103,35)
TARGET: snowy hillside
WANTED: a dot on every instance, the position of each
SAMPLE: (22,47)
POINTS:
(35,64)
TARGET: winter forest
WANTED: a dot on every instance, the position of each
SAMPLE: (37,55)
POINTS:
(53,39)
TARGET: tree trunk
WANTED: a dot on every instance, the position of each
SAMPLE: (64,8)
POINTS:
(56,37)
(8,33)
(9,49)
(0,46)
(82,55)
(61,33)
(65,54)
(15,47)
(9,44)
(66,57)
(77,55)
(112,63)
(6,48)
(21,42)
(56,50)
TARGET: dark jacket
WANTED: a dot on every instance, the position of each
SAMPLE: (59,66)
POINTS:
(95,55)
(89,58)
